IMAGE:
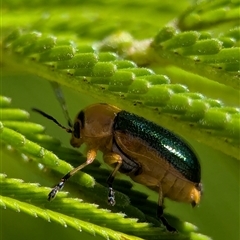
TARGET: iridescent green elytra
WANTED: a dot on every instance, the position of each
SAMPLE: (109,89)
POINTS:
(169,146)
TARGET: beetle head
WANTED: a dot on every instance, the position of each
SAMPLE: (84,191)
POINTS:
(94,125)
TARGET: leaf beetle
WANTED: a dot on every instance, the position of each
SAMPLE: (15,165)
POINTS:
(148,153)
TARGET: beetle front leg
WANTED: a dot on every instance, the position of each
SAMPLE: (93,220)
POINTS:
(160,213)
(91,155)
(110,159)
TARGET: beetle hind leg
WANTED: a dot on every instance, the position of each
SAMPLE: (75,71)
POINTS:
(160,213)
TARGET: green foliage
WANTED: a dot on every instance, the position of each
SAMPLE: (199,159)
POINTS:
(181,73)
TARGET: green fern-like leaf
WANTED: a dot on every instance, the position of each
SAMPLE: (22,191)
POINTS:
(182,74)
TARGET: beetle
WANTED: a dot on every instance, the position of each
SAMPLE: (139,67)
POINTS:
(148,153)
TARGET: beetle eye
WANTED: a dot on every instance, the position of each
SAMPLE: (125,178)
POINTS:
(76,130)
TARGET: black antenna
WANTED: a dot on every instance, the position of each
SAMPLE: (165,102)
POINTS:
(69,130)
(60,97)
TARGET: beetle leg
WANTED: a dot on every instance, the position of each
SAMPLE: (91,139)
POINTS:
(91,155)
(160,212)
(112,158)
